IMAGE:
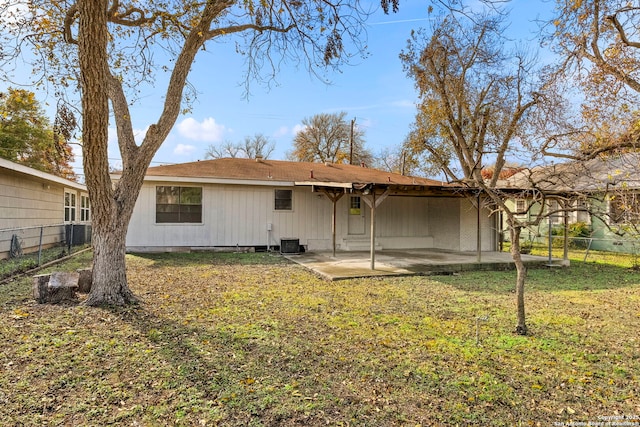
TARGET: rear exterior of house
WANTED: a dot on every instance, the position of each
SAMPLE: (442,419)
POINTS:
(213,209)
(34,203)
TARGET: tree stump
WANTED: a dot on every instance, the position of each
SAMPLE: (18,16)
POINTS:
(85,280)
(55,288)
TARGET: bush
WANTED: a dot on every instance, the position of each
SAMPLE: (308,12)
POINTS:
(578,233)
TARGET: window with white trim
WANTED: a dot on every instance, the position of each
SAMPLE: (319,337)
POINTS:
(556,214)
(178,204)
(70,206)
(85,208)
(521,206)
(283,200)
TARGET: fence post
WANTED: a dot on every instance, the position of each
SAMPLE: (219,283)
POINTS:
(69,243)
(586,254)
(40,246)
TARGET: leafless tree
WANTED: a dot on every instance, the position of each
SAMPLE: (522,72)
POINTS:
(479,105)
(251,148)
(329,137)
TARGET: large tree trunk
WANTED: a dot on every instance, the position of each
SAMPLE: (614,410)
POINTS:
(521,327)
(109,270)
(111,212)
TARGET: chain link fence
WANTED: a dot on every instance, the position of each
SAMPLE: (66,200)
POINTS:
(25,248)
(613,251)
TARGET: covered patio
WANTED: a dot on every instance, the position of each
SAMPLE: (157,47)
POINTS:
(410,262)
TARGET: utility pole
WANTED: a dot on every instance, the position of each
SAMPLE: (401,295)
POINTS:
(353,122)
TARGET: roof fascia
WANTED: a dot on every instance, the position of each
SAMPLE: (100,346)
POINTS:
(324,184)
(7,164)
(206,180)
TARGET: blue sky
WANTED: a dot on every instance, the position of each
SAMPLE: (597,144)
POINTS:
(375,91)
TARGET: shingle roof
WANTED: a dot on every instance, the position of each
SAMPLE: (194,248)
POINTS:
(597,174)
(278,170)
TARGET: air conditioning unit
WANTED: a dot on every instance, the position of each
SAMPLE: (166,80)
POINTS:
(289,246)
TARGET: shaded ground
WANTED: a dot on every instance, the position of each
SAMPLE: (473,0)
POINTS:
(252,340)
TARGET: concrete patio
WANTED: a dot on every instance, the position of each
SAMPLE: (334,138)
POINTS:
(412,262)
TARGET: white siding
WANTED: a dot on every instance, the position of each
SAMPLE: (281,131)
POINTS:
(469,227)
(444,219)
(28,202)
(238,215)
(233,215)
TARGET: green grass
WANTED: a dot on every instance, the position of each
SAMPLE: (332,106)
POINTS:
(250,339)
(12,266)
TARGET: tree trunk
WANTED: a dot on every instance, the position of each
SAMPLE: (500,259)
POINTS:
(111,211)
(514,231)
(109,285)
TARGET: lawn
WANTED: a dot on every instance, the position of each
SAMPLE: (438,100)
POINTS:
(251,339)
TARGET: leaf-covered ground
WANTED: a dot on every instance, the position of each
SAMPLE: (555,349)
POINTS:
(226,339)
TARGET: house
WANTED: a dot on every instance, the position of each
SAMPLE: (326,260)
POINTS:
(602,193)
(34,202)
(265,204)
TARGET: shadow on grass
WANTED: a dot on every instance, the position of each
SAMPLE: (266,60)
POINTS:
(169,259)
(222,373)
(580,276)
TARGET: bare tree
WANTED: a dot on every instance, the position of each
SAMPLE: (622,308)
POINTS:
(598,42)
(398,160)
(225,150)
(257,146)
(477,108)
(328,137)
(113,42)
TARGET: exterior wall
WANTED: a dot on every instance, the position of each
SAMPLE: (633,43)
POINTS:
(30,201)
(605,239)
(233,215)
(469,228)
(238,215)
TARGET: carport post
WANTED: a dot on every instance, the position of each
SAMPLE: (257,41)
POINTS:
(333,224)
(479,232)
(373,230)
(334,197)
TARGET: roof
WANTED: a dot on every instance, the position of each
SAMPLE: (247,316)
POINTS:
(44,176)
(298,173)
(595,175)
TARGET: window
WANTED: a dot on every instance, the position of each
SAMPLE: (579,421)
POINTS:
(85,208)
(624,208)
(354,206)
(178,204)
(69,206)
(556,214)
(521,206)
(284,200)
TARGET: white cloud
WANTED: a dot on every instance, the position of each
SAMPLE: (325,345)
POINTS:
(207,130)
(184,149)
(298,128)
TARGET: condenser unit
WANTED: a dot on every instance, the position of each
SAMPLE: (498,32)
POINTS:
(289,246)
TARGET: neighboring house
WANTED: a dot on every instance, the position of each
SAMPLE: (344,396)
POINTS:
(31,200)
(603,193)
(229,203)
